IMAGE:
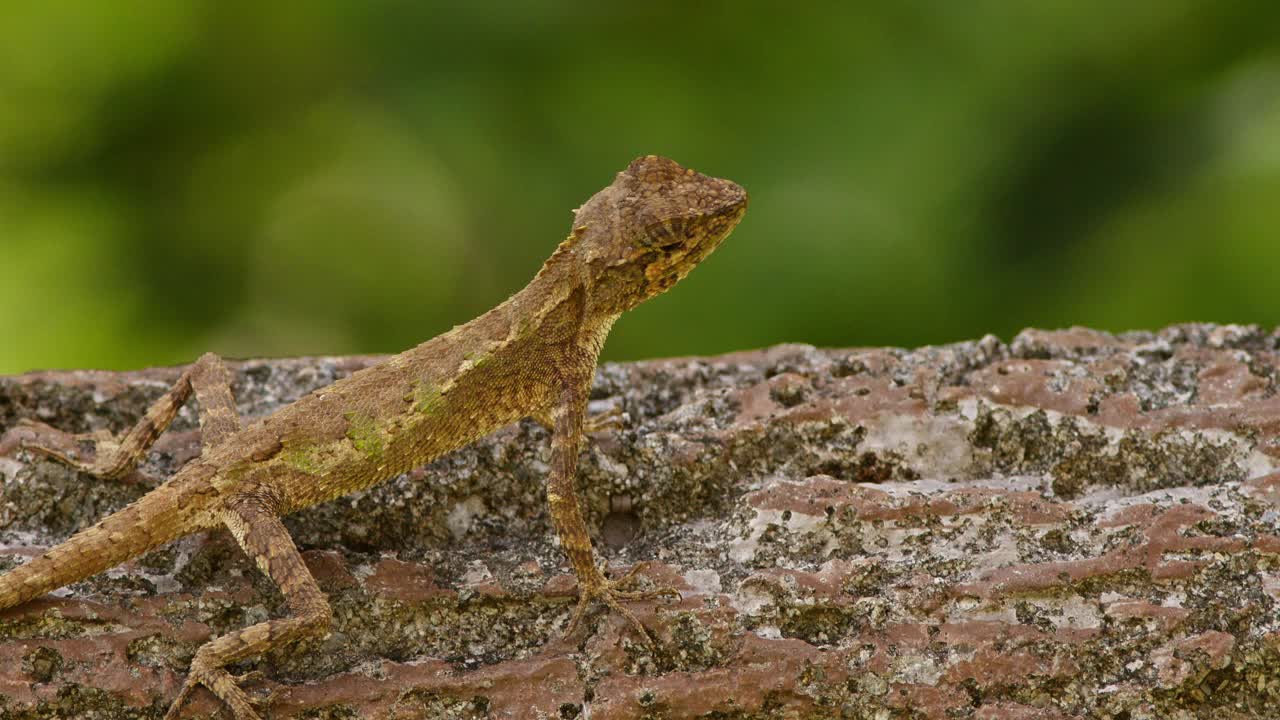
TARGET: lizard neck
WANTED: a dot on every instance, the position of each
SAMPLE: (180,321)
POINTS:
(560,297)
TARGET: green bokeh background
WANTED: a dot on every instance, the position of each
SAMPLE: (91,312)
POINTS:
(344,177)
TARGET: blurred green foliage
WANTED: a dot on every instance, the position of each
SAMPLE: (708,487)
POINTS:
(357,176)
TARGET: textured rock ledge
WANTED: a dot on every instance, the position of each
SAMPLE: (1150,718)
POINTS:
(1073,525)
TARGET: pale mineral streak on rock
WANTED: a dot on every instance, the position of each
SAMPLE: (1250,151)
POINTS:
(1071,525)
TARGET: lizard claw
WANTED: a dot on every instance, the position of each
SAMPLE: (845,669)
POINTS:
(610,593)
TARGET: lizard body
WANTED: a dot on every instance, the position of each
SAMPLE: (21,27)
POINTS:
(531,356)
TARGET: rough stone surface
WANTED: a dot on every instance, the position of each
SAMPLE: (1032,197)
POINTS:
(1071,525)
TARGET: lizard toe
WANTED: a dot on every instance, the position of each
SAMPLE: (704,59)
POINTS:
(608,593)
(222,684)
(187,688)
(630,579)
(613,602)
(611,419)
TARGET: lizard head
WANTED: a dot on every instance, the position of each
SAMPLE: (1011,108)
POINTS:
(649,228)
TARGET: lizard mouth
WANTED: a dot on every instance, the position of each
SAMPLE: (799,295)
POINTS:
(717,225)
(678,257)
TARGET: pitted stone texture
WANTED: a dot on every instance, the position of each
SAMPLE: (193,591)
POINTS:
(1072,525)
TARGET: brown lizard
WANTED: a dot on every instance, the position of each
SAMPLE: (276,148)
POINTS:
(532,356)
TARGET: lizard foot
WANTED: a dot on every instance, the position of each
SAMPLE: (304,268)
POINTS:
(41,439)
(68,449)
(610,593)
(224,685)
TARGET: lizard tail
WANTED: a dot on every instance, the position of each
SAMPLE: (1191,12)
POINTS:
(153,519)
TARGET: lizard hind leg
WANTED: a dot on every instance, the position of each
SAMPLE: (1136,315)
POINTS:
(264,538)
(152,520)
(116,457)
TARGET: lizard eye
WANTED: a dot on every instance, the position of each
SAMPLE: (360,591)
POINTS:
(666,234)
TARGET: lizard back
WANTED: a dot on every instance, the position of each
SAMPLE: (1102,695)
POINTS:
(409,409)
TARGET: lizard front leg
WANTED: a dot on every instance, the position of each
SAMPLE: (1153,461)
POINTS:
(562,495)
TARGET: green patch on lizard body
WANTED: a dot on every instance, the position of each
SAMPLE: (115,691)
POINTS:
(305,459)
(475,360)
(364,433)
(427,398)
